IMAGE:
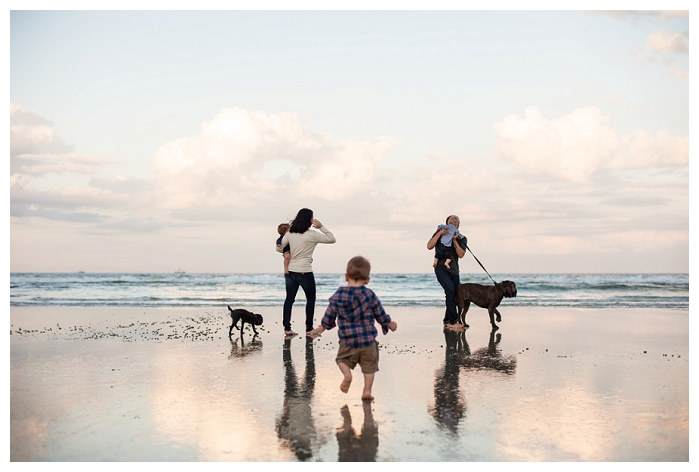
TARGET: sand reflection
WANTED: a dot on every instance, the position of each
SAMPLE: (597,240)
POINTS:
(449,404)
(244,350)
(295,427)
(362,447)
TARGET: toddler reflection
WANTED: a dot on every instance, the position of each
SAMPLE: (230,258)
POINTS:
(360,448)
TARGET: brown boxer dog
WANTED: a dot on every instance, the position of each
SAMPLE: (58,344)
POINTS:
(484,296)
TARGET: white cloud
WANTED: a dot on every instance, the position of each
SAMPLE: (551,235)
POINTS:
(575,146)
(571,147)
(679,73)
(641,150)
(30,133)
(40,164)
(223,164)
(669,14)
(666,43)
(634,15)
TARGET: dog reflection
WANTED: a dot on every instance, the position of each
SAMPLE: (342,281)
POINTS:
(354,448)
(449,405)
(295,427)
(490,357)
(243,350)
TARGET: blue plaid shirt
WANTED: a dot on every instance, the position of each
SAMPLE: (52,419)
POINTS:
(355,309)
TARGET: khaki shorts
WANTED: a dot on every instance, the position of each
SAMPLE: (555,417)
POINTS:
(367,357)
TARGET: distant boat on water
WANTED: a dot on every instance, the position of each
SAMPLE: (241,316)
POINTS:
(81,272)
(179,271)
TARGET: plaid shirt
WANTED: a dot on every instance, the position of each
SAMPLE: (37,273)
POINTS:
(355,309)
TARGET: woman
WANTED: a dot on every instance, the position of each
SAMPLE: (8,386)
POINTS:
(448,278)
(302,242)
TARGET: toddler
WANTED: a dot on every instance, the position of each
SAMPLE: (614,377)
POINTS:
(282,229)
(356,307)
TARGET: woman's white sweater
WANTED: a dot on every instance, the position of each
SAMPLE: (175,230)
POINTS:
(302,245)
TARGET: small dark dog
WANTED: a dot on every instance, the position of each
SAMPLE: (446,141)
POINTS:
(244,316)
(484,296)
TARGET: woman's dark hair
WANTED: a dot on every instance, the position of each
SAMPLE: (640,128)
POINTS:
(302,221)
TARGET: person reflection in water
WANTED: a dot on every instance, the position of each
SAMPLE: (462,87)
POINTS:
(360,448)
(295,427)
(449,406)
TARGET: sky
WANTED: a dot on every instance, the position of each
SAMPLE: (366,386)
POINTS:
(149,141)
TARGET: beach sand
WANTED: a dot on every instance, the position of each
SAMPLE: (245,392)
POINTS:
(166,384)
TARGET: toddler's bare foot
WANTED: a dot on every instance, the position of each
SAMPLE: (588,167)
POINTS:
(446,263)
(434,264)
(345,385)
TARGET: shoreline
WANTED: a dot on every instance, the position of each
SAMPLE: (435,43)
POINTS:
(551,384)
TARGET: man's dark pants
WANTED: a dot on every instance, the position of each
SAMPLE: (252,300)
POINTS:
(449,281)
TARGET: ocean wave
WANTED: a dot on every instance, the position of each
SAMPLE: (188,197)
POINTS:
(566,290)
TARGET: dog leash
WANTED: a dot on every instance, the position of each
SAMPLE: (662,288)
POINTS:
(479,263)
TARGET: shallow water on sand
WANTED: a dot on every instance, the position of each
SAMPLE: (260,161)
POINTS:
(161,384)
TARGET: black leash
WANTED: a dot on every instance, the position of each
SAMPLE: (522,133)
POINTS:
(479,263)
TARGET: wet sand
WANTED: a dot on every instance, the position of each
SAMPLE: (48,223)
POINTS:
(146,384)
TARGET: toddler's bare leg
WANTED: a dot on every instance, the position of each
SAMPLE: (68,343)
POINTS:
(287,258)
(347,372)
(446,263)
(368,383)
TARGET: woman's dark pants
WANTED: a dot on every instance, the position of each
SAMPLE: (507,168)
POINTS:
(449,281)
(308,283)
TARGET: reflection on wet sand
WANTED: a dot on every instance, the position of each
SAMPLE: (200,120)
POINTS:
(237,352)
(362,448)
(449,405)
(295,428)
(489,357)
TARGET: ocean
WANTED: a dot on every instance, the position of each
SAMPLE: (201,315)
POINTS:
(240,290)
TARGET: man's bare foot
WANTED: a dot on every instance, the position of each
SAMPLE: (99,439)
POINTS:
(346,382)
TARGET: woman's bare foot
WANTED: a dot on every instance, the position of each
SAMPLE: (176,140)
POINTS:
(366,397)
(290,334)
(345,385)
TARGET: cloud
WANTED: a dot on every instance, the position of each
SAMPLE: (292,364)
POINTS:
(679,73)
(669,14)
(634,15)
(30,133)
(123,184)
(667,43)
(242,158)
(573,147)
(41,164)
